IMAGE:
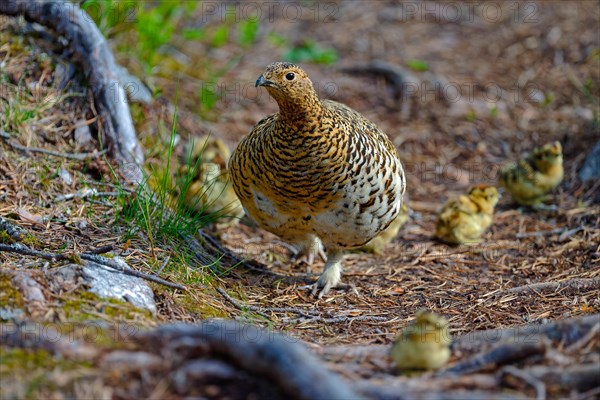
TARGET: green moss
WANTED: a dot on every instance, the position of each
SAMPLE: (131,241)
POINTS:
(10,297)
(87,306)
(30,240)
(202,310)
(5,238)
(32,369)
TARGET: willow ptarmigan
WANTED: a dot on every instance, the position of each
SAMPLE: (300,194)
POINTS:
(316,172)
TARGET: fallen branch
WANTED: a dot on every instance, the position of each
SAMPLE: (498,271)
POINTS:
(540,388)
(48,337)
(98,63)
(579,284)
(580,377)
(280,359)
(71,156)
(501,354)
(13,230)
(567,331)
(240,307)
(84,193)
(107,262)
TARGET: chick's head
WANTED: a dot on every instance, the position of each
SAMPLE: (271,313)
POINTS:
(429,327)
(486,197)
(548,156)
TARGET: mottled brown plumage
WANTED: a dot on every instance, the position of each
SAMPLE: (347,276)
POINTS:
(316,171)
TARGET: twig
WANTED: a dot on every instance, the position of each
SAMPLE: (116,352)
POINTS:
(307,316)
(164,264)
(567,331)
(578,377)
(13,230)
(72,156)
(250,264)
(590,394)
(540,233)
(501,354)
(87,192)
(576,284)
(335,320)
(101,250)
(584,340)
(240,307)
(128,271)
(112,185)
(24,250)
(540,388)
(199,251)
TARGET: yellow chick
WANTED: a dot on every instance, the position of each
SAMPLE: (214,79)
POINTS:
(463,220)
(532,177)
(376,245)
(424,344)
(210,191)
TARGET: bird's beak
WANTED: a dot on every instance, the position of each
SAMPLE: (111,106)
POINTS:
(261,81)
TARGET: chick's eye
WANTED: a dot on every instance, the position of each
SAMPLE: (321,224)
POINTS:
(290,76)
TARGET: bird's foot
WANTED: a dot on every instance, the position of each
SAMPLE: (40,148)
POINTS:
(329,279)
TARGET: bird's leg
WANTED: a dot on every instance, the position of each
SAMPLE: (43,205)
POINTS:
(308,247)
(332,274)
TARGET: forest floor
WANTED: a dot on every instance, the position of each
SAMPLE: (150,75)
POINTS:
(485,90)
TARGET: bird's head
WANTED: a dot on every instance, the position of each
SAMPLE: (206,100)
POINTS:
(486,197)
(288,84)
(548,156)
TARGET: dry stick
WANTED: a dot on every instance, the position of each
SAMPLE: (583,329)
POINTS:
(590,394)
(84,193)
(579,377)
(251,265)
(567,330)
(13,230)
(128,271)
(540,388)
(308,316)
(576,284)
(335,320)
(501,354)
(90,47)
(199,252)
(120,187)
(52,340)
(277,358)
(584,340)
(164,264)
(240,307)
(72,156)
(540,233)
(24,250)
(101,250)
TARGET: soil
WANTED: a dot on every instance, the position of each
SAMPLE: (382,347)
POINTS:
(528,74)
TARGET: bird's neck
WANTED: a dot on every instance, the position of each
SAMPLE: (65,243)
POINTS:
(300,114)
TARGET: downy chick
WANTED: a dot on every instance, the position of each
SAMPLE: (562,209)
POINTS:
(533,176)
(465,219)
(424,344)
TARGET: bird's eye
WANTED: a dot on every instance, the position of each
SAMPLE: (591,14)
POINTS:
(290,76)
